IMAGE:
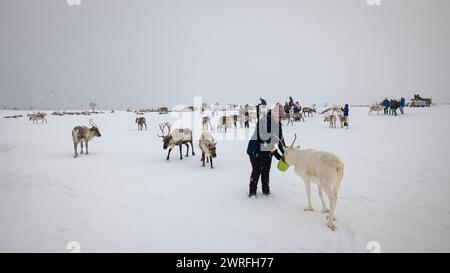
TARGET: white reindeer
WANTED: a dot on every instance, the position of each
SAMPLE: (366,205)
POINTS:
(323,168)
(375,108)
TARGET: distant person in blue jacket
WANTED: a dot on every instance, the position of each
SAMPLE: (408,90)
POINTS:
(402,105)
(345,111)
(386,105)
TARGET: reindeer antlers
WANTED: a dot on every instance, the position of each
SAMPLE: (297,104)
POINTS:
(295,137)
(164,125)
(91,122)
(282,143)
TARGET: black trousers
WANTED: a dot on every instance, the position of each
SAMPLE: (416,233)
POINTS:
(260,168)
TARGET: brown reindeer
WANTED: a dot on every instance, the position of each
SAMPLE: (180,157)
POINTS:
(289,118)
(141,123)
(224,122)
(309,111)
(39,116)
(297,117)
(83,133)
(331,119)
(206,121)
(177,137)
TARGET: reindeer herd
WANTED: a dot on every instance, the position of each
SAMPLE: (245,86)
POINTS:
(183,136)
(334,114)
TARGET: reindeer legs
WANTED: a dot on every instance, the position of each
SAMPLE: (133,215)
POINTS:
(333,199)
(308,193)
(75,148)
(86,147)
(181,151)
(187,147)
(324,206)
(192,146)
(81,144)
(168,154)
(203,159)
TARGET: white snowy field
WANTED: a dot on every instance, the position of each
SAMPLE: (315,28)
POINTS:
(124,196)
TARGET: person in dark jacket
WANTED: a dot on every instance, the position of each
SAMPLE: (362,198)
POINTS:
(263,101)
(297,107)
(287,108)
(247,116)
(261,148)
(386,106)
(402,105)
(345,111)
(390,107)
(394,104)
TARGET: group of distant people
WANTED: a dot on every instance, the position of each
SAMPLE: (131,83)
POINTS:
(288,108)
(391,106)
(246,112)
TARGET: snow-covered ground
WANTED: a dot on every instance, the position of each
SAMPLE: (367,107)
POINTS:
(124,196)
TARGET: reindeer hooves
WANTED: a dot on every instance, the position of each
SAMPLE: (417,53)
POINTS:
(331,226)
(75,156)
(309,209)
(325,211)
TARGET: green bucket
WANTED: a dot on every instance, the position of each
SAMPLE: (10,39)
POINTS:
(282,165)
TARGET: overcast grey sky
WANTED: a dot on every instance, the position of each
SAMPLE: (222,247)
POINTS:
(163,52)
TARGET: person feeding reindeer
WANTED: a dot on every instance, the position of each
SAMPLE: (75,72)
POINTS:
(261,148)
